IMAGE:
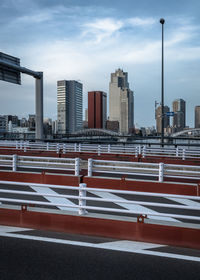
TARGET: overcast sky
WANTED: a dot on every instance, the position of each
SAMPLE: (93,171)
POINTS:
(87,40)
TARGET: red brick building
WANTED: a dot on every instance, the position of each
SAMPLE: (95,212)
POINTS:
(97,109)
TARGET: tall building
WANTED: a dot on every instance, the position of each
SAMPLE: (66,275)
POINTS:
(121,101)
(179,114)
(69,106)
(159,118)
(97,109)
(197,117)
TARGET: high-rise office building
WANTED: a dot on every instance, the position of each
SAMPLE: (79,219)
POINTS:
(69,106)
(197,117)
(121,101)
(159,118)
(179,114)
(97,109)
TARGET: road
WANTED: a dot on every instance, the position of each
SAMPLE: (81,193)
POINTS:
(31,254)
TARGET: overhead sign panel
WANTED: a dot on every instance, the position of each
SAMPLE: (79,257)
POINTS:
(8,74)
(170,114)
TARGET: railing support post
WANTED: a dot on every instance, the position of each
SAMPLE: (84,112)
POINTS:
(183,156)
(75,147)
(14,163)
(47,146)
(99,150)
(177,152)
(64,148)
(90,163)
(139,150)
(136,151)
(57,148)
(144,152)
(161,172)
(25,147)
(77,166)
(82,201)
(79,147)
(108,148)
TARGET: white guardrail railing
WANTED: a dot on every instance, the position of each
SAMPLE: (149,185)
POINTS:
(159,170)
(16,162)
(137,151)
(84,196)
(101,167)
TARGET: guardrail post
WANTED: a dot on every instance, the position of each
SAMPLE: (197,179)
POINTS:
(79,147)
(64,148)
(139,150)
(57,148)
(24,147)
(144,152)
(77,166)
(47,146)
(108,148)
(183,155)
(99,150)
(90,163)
(82,201)
(75,147)
(16,145)
(136,152)
(14,163)
(161,172)
(177,151)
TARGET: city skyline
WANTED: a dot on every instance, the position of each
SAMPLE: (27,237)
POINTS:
(75,41)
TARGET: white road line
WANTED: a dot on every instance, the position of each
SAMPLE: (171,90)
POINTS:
(133,207)
(103,246)
(54,199)
(187,202)
(5,229)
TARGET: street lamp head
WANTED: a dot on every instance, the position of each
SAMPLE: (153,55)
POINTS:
(162,21)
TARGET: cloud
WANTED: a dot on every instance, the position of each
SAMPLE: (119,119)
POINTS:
(143,22)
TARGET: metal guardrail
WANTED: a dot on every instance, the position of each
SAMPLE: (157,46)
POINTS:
(84,196)
(159,170)
(49,163)
(136,151)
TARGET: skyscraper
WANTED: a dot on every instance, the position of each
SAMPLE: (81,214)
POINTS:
(121,101)
(97,109)
(159,118)
(197,117)
(179,114)
(69,106)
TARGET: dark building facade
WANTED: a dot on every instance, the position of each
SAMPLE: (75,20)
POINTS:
(179,114)
(97,109)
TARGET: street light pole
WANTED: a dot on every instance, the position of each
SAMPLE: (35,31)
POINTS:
(162,21)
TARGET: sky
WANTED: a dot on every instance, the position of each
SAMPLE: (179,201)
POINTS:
(88,40)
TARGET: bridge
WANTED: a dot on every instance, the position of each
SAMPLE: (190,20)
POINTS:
(192,132)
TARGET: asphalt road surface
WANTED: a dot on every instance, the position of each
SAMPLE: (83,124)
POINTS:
(31,254)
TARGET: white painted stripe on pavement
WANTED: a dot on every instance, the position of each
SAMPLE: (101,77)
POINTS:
(133,207)
(55,200)
(102,246)
(12,229)
(187,202)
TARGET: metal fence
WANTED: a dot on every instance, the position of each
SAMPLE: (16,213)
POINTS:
(159,170)
(129,149)
(83,197)
(15,162)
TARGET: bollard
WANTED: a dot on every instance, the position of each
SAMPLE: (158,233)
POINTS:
(82,201)
(161,172)
(14,163)
(90,163)
(77,166)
